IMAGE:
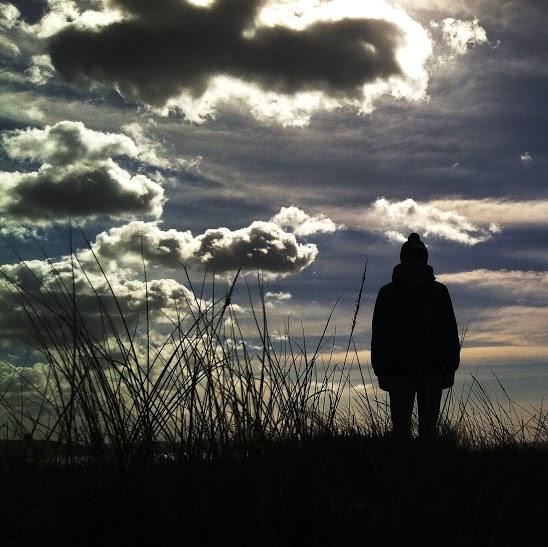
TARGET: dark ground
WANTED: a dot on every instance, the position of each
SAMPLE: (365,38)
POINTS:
(328,492)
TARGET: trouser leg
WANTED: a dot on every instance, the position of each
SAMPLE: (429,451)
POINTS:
(402,398)
(428,401)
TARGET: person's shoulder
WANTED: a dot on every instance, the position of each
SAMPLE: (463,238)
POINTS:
(440,287)
(385,292)
(388,287)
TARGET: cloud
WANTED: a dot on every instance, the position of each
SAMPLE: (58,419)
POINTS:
(41,69)
(8,48)
(522,286)
(278,295)
(47,288)
(460,35)
(303,224)
(261,246)
(78,176)
(173,53)
(521,326)
(55,15)
(397,218)
(516,314)
(274,299)
(137,240)
(151,152)
(54,195)
(462,220)
(526,157)
(180,45)
(65,143)
(9,15)
(503,213)
(33,11)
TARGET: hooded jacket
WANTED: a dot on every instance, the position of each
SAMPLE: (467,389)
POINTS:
(414,328)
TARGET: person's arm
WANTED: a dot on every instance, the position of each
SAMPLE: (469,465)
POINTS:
(378,335)
(452,343)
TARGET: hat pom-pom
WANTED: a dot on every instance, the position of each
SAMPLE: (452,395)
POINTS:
(414,237)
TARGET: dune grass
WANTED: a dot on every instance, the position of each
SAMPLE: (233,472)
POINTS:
(124,393)
(248,424)
(118,392)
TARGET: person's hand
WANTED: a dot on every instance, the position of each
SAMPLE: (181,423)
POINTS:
(447,380)
(385,383)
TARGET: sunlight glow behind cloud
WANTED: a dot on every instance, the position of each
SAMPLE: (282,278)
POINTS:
(337,53)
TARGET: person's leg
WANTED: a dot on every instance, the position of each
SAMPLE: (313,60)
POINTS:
(402,398)
(428,401)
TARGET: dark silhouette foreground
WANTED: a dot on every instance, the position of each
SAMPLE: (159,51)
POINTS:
(415,347)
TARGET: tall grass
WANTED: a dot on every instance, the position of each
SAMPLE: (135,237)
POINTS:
(115,391)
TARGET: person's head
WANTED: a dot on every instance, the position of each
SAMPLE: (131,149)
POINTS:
(413,254)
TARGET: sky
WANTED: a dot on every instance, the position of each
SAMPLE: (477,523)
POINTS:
(297,139)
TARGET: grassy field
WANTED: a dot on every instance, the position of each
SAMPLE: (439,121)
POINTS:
(215,434)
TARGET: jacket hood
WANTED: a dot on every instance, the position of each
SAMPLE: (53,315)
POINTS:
(399,275)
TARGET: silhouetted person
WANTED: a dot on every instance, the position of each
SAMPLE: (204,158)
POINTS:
(415,347)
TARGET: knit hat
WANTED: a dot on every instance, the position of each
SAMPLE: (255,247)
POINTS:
(413,245)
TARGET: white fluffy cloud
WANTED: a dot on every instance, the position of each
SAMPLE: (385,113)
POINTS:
(397,218)
(302,224)
(278,295)
(66,143)
(78,177)
(460,35)
(9,16)
(468,221)
(263,246)
(137,240)
(47,287)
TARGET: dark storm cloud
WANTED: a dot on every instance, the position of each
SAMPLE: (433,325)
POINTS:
(82,192)
(77,178)
(163,48)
